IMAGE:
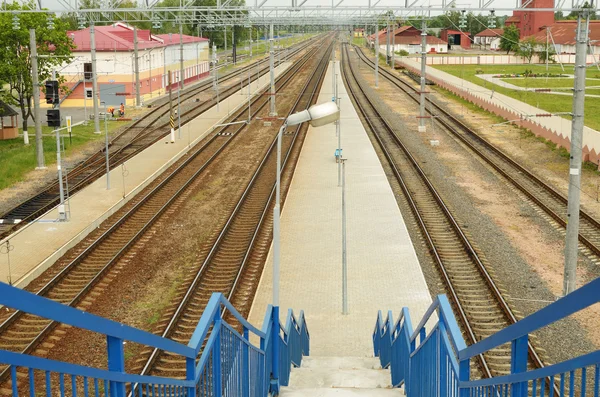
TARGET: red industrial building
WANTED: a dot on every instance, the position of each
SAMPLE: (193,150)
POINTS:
(408,38)
(456,38)
(531,22)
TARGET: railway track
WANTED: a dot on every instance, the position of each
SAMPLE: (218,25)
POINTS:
(136,137)
(234,264)
(479,305)
(546,197)
(93,259)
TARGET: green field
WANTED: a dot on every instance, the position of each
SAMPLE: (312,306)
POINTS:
(548,102)
(542,82)
(16,159)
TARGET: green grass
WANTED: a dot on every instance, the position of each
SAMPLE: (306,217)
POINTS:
(17,159)
(542,82)
(548,102)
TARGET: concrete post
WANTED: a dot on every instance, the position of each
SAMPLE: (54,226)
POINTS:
(387,44)
(273,111)
(95,93)
(181,69)
(572,238)
(377,56)
(136,68)
(422,127)
(39,145)
(393,41)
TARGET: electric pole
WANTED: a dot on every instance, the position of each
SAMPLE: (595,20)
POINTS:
(377,56)
(181,69)
(136,66)
(94,80)
(572,238)
(39,144)
(273,111)
(422,127)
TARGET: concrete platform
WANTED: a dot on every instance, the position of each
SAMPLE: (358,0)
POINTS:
(383,270)
(38,245)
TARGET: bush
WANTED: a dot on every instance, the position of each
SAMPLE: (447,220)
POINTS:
(402,53)
(478,71)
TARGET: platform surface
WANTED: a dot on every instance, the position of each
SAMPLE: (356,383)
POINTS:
(383,270)
(38,245)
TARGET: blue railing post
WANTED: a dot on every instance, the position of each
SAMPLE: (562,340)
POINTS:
(518,363)
(443,365)
(276,359)
(245,366)
(116,363)
(190,374)
(216,359)
(464,374)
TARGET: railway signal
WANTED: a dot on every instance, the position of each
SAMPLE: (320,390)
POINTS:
(52,92)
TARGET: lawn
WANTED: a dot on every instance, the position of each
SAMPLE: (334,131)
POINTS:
(542,82)
(17,159)
(548,102)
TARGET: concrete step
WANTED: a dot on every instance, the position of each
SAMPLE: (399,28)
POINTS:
(340,376)
(287,392)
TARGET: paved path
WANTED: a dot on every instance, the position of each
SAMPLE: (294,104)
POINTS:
(38,245)
(498,81)
(383,270)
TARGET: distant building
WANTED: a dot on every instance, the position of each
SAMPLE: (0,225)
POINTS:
(408,38)
(158,56)
(456,38)
(8,122)
(360,32)
(489,39)
(530,22)
(562,34)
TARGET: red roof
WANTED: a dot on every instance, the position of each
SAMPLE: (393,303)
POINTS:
(490,33)
(563,32)
(513,19)
(119,37)
(416,40)
(383,33)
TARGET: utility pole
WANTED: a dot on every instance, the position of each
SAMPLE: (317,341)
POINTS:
(377,56)
(572,238)
(422,127)
(225,39)
(273,111)
(171,119)
(181,70)
(387,44)
(250,36)
(393,40)
(62,212)
(136,66)
(39,145)
(215,75)
(233,46)
(344,248)
(94,80)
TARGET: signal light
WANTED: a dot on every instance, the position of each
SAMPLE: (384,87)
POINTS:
(52,92)
(53,116)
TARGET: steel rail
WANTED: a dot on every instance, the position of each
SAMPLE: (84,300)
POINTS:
(282,80)
(214,249)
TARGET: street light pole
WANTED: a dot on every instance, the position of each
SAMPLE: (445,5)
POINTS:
(572,237)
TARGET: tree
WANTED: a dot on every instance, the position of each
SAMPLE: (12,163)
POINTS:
(15,60)
(527,48)
(545,49)
(509,41)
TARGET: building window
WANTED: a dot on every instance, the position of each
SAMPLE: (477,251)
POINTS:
(88,93)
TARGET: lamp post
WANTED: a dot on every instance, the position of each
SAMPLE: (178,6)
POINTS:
(317,115)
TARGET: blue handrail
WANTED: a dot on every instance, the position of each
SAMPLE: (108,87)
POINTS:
(437,364)
(228,363)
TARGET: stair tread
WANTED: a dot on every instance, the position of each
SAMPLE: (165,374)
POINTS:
(339,378)
(341,362)
(339,392)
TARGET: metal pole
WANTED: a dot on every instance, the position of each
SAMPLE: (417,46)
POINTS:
(106,148)
(377,56)
(179,112)
(273,111)
(338,133)
(136,67)
(572,238)
(181,69)
(276,257)
(422,127)
(85,115)
(94,81)
(393,40)
(344,250)
(171,109)
(39,145)
(387,44)
(250,35)
(215,76)
(225,40)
